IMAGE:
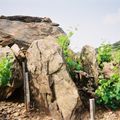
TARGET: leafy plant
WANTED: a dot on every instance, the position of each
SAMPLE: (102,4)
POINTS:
(5,70)
(104,54)
(72,63)
(116,56)
(108,92)
(64,43)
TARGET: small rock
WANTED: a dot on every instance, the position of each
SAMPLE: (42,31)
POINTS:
(16,114)
(1,109)
(22,105)
(23,111)
(9,111)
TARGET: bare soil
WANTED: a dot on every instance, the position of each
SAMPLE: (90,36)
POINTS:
(103,114)
(16,111)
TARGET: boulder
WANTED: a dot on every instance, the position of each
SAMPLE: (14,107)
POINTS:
(51,86)
(89,62)
(6,39)
(89,78)
(16,80)
(26,29)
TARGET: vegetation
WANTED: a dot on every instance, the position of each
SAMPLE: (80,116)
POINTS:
(116,57)
(104,54)
(5,70)
(108,91)
(73,63)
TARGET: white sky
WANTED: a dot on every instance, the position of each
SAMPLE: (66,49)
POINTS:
(96,20)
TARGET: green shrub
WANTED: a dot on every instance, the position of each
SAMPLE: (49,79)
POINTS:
(116,56)
(104,54)
(108,92)
(5,71)
(72,63)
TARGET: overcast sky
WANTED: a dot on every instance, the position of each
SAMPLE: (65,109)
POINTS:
(96,20)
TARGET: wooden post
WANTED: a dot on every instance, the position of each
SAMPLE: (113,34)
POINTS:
(24,83)
(92,109)
(27,92)
(26,88)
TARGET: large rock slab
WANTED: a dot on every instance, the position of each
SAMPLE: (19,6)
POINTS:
(16,80)
(51,86)
(26,29)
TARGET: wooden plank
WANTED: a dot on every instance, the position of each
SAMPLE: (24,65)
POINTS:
(92,109)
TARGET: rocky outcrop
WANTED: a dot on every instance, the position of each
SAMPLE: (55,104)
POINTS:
(51,86)
(18,32)
(16,79)
(26,29)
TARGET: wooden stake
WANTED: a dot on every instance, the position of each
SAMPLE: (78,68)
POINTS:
(27,93)
(26,88)
(92,109)
(24,83)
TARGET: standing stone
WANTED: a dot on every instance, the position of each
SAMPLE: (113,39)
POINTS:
(89,62)
(51,86)
(89,79)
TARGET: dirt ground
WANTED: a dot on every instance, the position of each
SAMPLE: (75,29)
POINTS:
(102,114)
(15,110)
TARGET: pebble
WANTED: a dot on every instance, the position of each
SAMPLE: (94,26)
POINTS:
(9,111)
(16,114)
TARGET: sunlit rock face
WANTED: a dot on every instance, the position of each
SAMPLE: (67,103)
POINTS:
(89,61)
(52,87)
(26,29)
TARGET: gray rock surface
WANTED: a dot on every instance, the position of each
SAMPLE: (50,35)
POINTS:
(26,29)
(89,79)
(51,86)
(89,62)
